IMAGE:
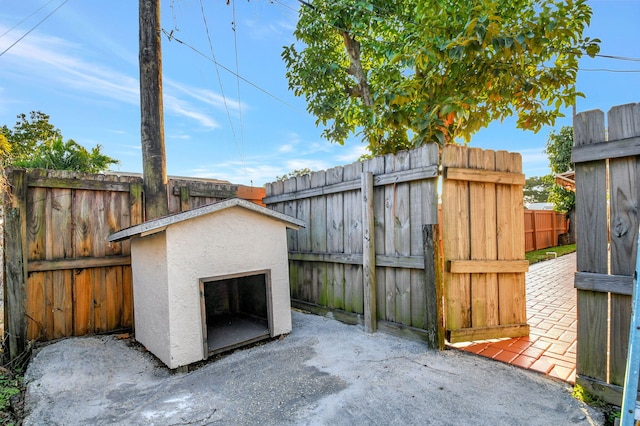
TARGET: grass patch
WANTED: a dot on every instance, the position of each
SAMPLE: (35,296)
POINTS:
(610,412)
(10,385)
(540,255)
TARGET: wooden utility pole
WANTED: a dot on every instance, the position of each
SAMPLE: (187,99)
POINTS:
(154,164)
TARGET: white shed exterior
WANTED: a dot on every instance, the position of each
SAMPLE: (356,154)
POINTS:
(170,257)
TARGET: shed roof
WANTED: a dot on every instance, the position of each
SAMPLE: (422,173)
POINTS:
(160,224)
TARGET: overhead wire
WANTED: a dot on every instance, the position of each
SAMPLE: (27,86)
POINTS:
(235,48)
(19,23)
(33,28)
(224,98)
(170,37)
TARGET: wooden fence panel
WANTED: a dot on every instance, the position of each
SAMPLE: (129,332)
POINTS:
(607,196)
(624,190)
(404,200)
(542,228)
(64,278)
(483,227)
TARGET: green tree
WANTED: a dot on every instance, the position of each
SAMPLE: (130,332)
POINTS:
(294,173)
(36,143)
(404,72)
(536,189)
(558,149)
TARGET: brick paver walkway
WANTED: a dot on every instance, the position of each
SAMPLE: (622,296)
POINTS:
(550,347)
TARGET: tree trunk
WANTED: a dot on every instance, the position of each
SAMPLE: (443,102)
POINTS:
(353,50)
(152,122)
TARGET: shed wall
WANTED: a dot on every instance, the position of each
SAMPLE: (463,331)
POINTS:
(151,304)
(221,244)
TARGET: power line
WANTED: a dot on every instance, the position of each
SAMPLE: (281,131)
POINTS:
(224,98)
(18,24)
(619,58)
(170,36)
(235,48)
(606,70)
(34,27)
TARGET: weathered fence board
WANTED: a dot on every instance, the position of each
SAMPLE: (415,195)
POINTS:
(483,236)
(607,196)
(63,277)
(404,200)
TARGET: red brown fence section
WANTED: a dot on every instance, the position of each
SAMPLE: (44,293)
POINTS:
(542,228)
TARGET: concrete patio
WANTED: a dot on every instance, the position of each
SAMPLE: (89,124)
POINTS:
(551,313)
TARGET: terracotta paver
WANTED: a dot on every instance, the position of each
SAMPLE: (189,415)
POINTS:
(550,347)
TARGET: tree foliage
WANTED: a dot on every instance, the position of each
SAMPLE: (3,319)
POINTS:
(36,143)
(404,72)
(536,189)
(294,173)
(558,149)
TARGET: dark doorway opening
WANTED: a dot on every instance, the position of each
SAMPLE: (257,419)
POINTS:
(236,310)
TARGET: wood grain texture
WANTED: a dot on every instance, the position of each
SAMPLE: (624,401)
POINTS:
(333,296)
(368,254)
(389,241)
(624,198)
(353,284)
(456,236)
(318,236)
(592,253)
(402,240)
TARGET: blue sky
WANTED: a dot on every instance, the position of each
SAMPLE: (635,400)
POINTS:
(80,66)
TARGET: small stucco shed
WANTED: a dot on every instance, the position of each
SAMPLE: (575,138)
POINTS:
(209,279)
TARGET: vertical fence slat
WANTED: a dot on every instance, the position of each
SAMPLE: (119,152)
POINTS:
(389,240)
(624,122)
(354,290)
(484,287)
(376,166)
(402,240)
(303,212)
(15,256)
(592,255)
(455,201)
(335,242)
(369,254)
(318,236)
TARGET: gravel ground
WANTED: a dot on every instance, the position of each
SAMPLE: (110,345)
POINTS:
(324,372)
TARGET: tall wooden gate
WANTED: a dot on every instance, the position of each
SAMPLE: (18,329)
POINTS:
(483,229)
(607,200)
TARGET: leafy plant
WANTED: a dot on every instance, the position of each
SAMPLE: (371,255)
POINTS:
(404,72)
(10,385)
(35,143)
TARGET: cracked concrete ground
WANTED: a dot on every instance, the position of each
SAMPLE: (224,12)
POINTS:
(324,372)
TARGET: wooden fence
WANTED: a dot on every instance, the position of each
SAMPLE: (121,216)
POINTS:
(607,199)
(362,254)
(62,276)
(542,228)
(483,232)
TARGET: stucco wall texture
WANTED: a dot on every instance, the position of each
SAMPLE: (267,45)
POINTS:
(168,267)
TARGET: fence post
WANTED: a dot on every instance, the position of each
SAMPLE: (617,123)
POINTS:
(15,229)
(368,254)
(433,286)
(534,235)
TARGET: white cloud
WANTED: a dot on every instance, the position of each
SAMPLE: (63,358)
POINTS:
(206,96)
(286,148)
(180,107)
(352,153)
